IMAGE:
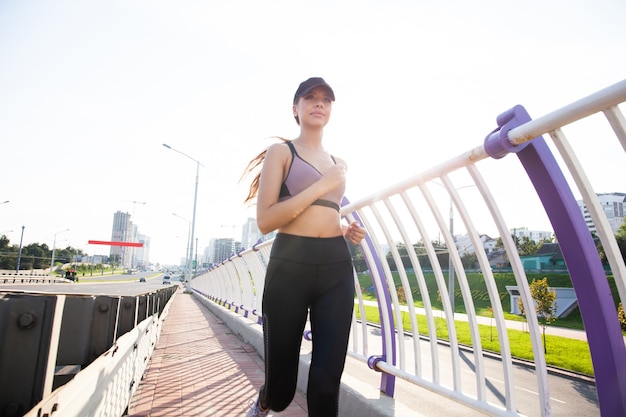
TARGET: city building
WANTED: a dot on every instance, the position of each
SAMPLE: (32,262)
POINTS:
(125,231)
(122,230)
(465,246)
(250,234)
(534,235)
(220,249)
(613,205)
(143,253)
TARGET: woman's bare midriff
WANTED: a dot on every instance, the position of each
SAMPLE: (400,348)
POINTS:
(315,221)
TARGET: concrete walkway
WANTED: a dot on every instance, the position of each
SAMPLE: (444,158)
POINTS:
(200,368)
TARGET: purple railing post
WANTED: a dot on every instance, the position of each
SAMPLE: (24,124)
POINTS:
(387,381)
(581,257)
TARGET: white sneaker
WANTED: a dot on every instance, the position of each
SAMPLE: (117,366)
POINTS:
(255,411)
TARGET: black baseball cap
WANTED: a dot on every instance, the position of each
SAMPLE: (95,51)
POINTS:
(309,85)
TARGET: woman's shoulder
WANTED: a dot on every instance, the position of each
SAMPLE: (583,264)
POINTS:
(278,153)
(279,149)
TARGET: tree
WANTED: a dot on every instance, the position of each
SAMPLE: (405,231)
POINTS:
(470,260)
(114,260)
(357,258)
(545,304)
(4,242)
(402,251)
(621,316)
(527,246)
(420,250)
(620,237)
(401,295)
(499,244)
(8,253)
(34,255)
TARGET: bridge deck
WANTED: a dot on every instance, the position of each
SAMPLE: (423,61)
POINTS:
(200,368)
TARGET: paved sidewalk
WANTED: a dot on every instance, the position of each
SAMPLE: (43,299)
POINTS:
(200,368)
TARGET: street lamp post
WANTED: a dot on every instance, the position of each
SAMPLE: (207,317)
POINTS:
(54,244)
(195,268)
(188,237)
(19,254)
(450,264)
(193,218)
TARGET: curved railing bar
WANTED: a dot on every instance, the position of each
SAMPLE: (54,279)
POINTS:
(602,100)
(522,283)
(406,286)
(373,258)
(421,281)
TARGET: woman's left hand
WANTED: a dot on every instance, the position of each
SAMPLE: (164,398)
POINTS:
(354,233)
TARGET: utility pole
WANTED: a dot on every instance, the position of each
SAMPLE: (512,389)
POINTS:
(19,255)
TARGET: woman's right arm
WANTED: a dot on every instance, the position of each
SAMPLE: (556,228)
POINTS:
(272,214)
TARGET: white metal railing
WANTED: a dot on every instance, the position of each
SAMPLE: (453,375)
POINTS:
(106,386)
(413,211)
(32,279)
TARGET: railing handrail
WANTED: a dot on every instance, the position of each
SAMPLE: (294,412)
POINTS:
(378,212)
(606,98)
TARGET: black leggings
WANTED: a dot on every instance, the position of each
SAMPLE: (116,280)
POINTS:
(306,273)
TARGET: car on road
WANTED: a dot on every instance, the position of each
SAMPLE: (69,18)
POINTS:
(142,279)
(167,279)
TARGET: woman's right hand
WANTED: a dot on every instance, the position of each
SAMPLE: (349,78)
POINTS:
(335,176)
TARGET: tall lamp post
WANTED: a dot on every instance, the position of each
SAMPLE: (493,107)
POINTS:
(193,218)
(188,237)
(195,268)
(19,254)
(54,246)
(450,264)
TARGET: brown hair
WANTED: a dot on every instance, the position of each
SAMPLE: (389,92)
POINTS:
(254,168)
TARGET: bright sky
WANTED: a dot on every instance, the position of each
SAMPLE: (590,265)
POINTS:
(89,92)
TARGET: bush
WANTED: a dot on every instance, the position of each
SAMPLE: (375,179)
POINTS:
(622,316)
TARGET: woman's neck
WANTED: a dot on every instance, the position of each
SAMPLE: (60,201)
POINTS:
(311,139)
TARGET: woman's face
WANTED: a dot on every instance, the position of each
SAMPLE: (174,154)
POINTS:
(314,108)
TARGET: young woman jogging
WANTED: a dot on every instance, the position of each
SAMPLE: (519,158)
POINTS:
(298,193)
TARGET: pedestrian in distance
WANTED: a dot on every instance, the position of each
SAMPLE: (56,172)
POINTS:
(298,193)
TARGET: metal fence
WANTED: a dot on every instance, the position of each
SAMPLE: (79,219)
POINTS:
(75,355)
(412,212)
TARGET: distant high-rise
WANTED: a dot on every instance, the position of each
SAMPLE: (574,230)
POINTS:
(613,205)
(122,232)
(219,250)
(251,234)
(125,231)
(143,253)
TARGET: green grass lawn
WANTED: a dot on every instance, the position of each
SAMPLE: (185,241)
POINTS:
(562,352)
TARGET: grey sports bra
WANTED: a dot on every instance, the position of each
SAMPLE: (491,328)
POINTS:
(301,175)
